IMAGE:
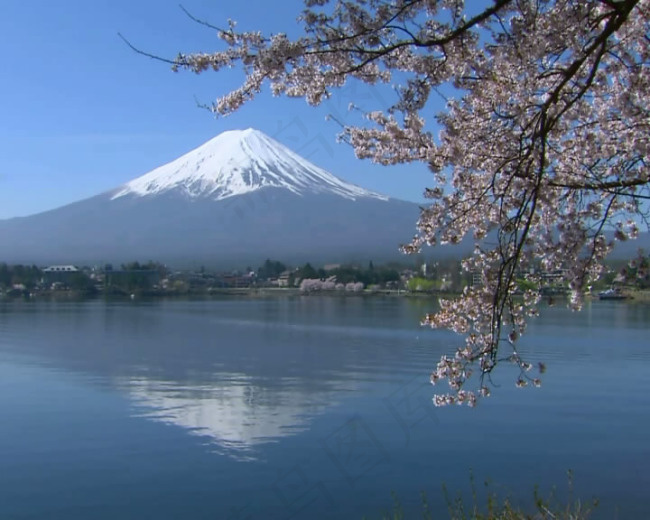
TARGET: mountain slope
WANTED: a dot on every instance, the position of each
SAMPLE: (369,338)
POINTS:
(239,162)
(237,199)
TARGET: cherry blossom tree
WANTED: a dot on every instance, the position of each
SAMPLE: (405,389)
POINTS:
(542,146)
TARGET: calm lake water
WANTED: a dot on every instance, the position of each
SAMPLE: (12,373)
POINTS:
(305,407)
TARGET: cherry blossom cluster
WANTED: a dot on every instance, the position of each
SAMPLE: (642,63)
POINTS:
(314,284)
(540,154)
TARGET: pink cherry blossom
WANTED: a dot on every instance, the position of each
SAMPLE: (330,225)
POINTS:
(541,148)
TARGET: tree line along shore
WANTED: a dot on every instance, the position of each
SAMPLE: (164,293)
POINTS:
(421,277)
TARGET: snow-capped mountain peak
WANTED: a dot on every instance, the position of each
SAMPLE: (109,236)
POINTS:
(238,162)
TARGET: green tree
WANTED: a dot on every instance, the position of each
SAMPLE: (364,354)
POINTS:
(270,269)
(81,282)
(5,275)
(307,271)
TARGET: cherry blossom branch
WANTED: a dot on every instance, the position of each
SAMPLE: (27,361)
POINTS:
(543,141)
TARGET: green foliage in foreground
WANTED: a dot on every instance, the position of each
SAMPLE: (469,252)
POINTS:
(27,275)
(496,508)
(418,284)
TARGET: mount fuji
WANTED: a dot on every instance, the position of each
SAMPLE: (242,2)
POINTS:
(240,162)
(237,199)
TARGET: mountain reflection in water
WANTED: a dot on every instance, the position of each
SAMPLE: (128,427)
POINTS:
(314,407)
(235,414)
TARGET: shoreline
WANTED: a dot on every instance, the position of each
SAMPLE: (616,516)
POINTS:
(245,292)
(636,296)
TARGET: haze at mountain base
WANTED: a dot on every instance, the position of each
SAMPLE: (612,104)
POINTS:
(239,198)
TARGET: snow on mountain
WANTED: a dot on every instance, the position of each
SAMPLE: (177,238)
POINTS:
(238,162)
(236,200)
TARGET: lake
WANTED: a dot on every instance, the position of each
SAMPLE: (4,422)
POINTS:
(305,407)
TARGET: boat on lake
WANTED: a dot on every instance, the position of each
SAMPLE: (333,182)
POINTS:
(612,294)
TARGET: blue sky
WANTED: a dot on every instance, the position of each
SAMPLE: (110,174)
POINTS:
(82,113)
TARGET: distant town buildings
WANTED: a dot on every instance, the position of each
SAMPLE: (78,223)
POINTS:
(60,274)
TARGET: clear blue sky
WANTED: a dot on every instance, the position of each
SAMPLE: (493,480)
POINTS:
(81,113)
